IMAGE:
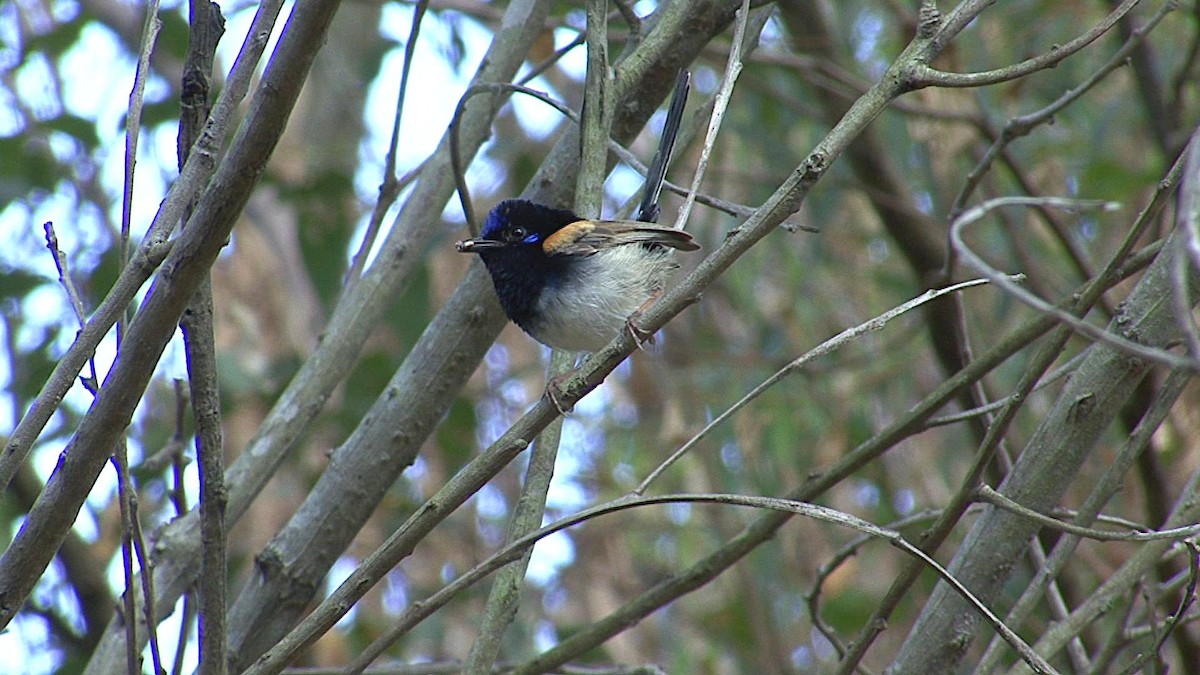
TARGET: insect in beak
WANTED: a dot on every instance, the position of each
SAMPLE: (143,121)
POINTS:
(476,245)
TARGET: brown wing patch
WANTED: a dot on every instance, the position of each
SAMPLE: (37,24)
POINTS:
(567,240)
(635,232)
(585,237)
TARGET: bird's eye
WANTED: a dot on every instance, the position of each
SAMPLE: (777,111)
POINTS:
(520,235)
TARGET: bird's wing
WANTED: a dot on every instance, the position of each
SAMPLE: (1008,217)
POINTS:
(585,237)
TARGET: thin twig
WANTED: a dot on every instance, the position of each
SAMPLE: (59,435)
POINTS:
(976,213)
(207,25)
(134,545)
(579,40)
(420,610)
(923,75)
(1189,246)
(988,494)
(826,347)
(390,187)
(1025,124)
(178,496)
(154,249)
(90,383)
(1054,376)
(133,661)
(733,67)
(177,454)
(835,562)
(133,123)
(1180,614)
(131,540)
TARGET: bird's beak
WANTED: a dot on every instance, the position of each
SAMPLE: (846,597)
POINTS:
(476,245)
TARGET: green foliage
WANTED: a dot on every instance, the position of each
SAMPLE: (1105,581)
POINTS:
(774,303)
(34,169)
(324,205)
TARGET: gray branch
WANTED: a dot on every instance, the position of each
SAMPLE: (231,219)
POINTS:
(1088,404)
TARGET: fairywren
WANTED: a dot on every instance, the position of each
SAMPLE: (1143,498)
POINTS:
(573,283)
(568,282)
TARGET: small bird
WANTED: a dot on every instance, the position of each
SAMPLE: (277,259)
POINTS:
(572,283)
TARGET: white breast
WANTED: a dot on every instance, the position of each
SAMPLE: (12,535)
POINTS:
(579,316)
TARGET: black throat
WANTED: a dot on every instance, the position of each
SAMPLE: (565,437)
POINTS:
(520,275)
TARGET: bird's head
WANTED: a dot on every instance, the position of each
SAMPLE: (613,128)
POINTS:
(517,226)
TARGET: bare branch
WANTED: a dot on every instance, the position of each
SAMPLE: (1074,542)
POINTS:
(923,75)
(796,366)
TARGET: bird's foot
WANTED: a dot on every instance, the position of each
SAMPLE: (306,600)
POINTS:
(555,390)
(640,336)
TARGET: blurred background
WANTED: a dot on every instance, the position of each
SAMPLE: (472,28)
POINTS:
(870,235)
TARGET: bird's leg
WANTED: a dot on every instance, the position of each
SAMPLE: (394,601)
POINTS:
(567,365)
(554,389)
(641,337)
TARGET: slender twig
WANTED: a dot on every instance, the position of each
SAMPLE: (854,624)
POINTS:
(733,68)
(625,8)
(1181,269)
(456,159)
(1189,247)
(835,562)
(533,73)
(178,457)
(185,630)
(206,27)
(134,545)
(456,165)
(1186,600)
(797,365)
(988,494)
(178,496)
(390,187)
(1114,642)
(976,213)
(154,249)
(423,609)
(91,383)
(133,661)
(1054,376)
(1025,124)
(133,123)
(125,490)
(924,75)
(64,275)
(1186,74)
